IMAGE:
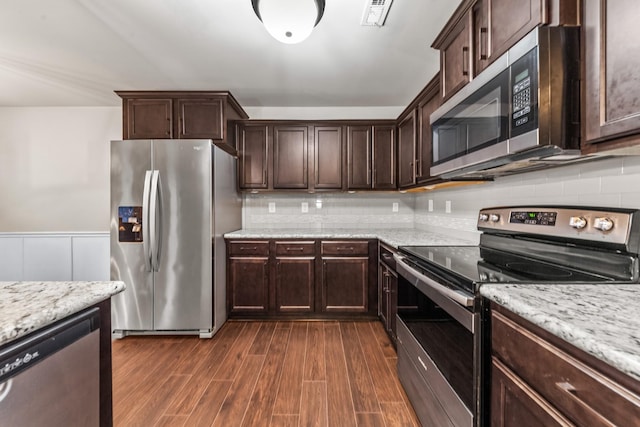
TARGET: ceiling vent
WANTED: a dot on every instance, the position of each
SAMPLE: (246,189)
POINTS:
(375,12)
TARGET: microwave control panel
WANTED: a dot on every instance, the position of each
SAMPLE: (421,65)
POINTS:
(524,93)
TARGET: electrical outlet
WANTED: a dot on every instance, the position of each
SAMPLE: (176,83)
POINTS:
(447,206)
(394,207)
(430,205)
(272,207)
(304,207)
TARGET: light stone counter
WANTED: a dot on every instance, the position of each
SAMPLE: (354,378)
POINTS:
(603,320)
(392,237)
(28,306)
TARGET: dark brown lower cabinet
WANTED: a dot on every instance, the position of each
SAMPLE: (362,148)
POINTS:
(301,279)
(248,277)
(345,282)
(294,276)
(538,379)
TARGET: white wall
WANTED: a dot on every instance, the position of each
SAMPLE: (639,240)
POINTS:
(613,182)
(54,168)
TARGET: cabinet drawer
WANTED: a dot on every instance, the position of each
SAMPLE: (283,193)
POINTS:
(345,248)
(249,247)
(386,257)
(295,249)
(582,394)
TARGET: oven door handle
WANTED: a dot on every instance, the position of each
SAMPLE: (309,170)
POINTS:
(453,302)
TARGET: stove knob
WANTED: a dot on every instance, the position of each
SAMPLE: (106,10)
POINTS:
(578,222)
(494,217)
(603,224)
(484,217)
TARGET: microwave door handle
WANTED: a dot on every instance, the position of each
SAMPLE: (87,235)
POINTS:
(146,224)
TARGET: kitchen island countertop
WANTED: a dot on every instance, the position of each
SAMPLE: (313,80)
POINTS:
(394,237)
(29,306)
(601,320)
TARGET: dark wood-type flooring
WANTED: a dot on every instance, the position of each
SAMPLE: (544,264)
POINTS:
(280,374)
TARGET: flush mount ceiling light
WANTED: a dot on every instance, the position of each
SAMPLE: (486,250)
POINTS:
(289,21)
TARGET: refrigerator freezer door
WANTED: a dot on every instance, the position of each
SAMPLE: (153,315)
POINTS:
(132,309)
(183,280)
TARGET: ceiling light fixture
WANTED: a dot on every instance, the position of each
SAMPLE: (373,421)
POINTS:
(289,21)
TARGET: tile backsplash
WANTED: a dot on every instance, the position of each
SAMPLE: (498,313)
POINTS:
(609,182)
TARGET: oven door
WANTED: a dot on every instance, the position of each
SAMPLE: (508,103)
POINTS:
(436,349)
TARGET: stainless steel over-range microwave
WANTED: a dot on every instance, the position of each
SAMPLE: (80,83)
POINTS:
(521,112)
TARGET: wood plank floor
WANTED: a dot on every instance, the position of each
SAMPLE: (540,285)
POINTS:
(279,374)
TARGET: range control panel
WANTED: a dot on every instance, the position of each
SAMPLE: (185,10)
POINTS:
(614,226)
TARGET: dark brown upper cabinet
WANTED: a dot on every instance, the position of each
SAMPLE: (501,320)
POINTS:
(290,157)
(479,31)
(428,101)
(611,79)
(328,157)
(371,157)
(181,115)
(253,156)
(384,157)
(407,149)
(147,118)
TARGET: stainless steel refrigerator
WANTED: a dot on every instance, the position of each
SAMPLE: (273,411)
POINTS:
(171,203)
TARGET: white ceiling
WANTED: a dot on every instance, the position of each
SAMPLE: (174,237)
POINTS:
(77,52)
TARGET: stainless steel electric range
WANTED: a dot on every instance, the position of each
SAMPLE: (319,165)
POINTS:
(441,341)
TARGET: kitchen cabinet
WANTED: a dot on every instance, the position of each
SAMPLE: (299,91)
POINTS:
(538,377)
(345,276)
(415,137)
(387,290)
(407,149)
(294,277)
(290,157)
(248,277)
(316,156)
(328,157)
(253,156)
(479,31)
(181,115)
(428,101)
(611,80)
(371,157)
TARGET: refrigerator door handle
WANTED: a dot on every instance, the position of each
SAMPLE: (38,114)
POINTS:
(156,220)
(146,229)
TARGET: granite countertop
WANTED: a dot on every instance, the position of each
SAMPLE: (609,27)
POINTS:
(28,306)
(393,237)
(601,319)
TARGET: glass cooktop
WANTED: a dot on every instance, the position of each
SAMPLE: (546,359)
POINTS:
(469,266)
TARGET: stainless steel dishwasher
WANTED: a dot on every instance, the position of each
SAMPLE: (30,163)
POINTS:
(52,377)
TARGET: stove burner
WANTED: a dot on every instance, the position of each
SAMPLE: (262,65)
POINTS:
(539,270)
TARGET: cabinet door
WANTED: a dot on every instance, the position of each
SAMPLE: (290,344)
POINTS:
(248,286)
(455,58)
(290,157)
(508,21)
(406,151)
(515,404)
(252,154)
(425,108)
(384,158)
(148,118)
(200,118)
(328,157)
(358,157)
(345,284)
(611,70)
(294,279)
